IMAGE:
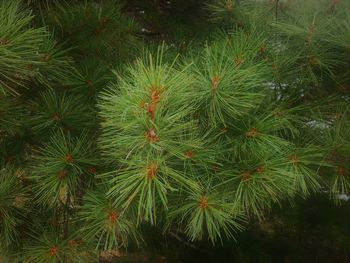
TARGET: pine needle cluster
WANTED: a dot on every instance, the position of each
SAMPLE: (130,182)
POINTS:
(100,136)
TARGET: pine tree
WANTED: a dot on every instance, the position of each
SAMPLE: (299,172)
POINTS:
(106,127)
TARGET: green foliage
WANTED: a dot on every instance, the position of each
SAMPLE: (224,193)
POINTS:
(338,140)
(89,78)
(59,111)
(104,223)
(243,13)
(98,139)
(12,210)
(258,141)
(19,46)
(55,62)
(61,167)
(11,116)
(99,30)
(201,213)
(152,97)
(153,103)
(303,170)
(50,247)
(220,72)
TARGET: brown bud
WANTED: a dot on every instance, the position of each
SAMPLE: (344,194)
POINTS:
(341,171)
(215,83)
(215,168)
(245,176)
(239,61)
(155,96)
(68,158)
(46,58)
(62,174)
(277,113)
(143,104)
(89,82)
(294,159)
(74,242)
(152,171)
(53,251)
(152,136)
(262,49)
(113,216)
(229,6)
(56,116)
(252,133)
(334,3)
(92,170)
(203,202)
(151,110)
(260,170)
(4,41)
(189,154)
